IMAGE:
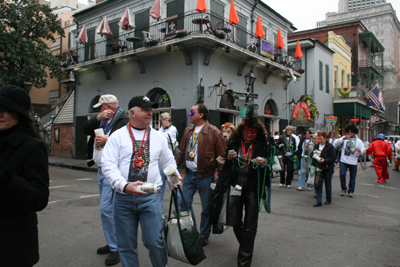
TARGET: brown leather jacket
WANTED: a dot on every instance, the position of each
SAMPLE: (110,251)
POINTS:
(210,146)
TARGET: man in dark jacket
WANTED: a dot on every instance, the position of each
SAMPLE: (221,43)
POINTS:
(100,127)
(201,145)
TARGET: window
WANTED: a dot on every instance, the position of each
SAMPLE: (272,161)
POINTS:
(241,32)
(217,10)
(342,79)
(57,134)
(327,78)
(270,108)
(114,27)
(89,47)
(321,76)
(177,7)
(160,96)
(228,101)
(142,21)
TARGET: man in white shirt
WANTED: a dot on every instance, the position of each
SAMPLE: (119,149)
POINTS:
(352,147)
(132,156)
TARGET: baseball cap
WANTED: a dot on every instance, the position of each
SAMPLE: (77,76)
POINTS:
(381,136)
(106,99)
(141,102)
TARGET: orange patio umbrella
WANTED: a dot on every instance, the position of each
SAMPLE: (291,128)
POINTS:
(233,16)
(279,41)
(259,29)
(201,6)
(299,53)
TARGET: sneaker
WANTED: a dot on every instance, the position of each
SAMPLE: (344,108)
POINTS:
(343,192)
(203,241)
(350,194)
(280,185)
(112,258)
(309,189)
(300,188)
(103,250)
(289,186)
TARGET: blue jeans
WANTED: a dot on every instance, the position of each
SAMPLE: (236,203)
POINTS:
(129,211)
(353,173)
(191,183)
(302,176)
(327,178)
(162,189)
(106,211)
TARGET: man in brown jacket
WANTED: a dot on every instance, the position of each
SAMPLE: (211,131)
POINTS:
(201,145)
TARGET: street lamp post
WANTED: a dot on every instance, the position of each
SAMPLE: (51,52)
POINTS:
(249,78)
(292,107)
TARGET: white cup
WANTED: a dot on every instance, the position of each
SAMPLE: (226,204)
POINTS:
(173,174)
(99,131)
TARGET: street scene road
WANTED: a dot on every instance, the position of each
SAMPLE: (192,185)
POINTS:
(359,231)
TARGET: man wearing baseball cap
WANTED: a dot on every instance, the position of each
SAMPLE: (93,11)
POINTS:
(110,119)
(133,156)
(381,150)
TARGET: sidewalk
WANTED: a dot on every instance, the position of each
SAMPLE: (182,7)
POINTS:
(76,164)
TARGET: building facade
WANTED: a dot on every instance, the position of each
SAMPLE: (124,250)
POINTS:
(366,69)
(189,53)
(382,21)
(351,5)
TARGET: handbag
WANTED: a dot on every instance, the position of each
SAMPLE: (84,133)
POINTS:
(311,175)
(230,207)
(278,164)
(181,237)
(318,178)
(174,146)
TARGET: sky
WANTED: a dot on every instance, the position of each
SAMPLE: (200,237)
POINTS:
(305,13)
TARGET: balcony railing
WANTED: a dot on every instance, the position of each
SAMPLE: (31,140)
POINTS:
(344,93)
(191,23)
(370,64)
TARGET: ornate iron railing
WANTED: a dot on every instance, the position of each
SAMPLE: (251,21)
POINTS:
(189,23)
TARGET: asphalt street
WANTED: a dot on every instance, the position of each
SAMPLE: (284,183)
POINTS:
(359,231)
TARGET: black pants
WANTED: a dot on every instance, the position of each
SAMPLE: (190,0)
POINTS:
(246,230)
(289,168)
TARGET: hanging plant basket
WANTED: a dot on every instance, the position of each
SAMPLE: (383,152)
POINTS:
(181,33)
(220,34)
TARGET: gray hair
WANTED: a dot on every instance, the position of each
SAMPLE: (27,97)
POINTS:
(134,109)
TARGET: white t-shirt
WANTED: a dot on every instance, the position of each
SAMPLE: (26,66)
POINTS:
(170,131)
(347,156)
(117,157)
(192,165)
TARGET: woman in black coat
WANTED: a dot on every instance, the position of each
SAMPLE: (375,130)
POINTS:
(324,153)
(24,180)
(245,170)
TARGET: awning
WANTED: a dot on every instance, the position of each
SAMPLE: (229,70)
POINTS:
(352,109)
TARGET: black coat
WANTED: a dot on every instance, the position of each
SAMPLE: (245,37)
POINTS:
(328,154)
(24,190)
(282,140)
(229,177)
(93,124)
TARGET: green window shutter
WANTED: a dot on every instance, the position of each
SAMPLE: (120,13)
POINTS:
(142,21)
(327,78)
(321,76)
(241,32)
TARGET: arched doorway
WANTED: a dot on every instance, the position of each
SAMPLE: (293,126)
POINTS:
(94,101)
(161,97)
(271,116)
(228,111)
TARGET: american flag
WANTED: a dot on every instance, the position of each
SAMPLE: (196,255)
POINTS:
(373,96)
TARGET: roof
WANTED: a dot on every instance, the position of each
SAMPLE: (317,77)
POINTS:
(304,40)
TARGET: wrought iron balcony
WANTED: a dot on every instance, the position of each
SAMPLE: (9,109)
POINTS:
(187,25)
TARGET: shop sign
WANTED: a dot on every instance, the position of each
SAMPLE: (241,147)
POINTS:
(373,119)
(301,115)
(331,119)
(353,120)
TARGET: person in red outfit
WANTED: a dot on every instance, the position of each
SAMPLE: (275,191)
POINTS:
(381,150)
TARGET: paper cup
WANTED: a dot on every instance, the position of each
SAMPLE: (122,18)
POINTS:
(99,131)
(173,174)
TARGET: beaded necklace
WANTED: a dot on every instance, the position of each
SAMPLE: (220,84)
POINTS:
(246,156)
(139,152)
(255,166)
(353,145)
(107,124)
(194,141)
